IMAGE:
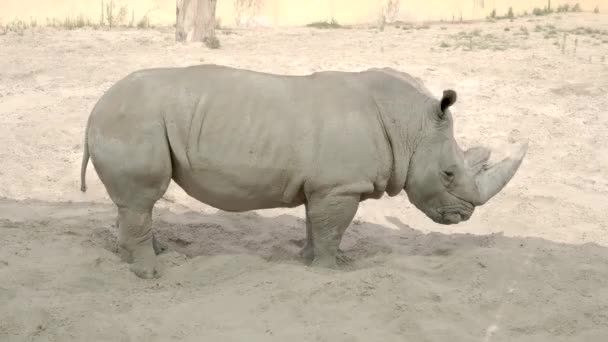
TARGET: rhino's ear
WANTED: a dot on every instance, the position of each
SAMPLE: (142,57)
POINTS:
(448,99)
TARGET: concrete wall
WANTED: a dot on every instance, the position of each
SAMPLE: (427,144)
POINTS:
(284,12)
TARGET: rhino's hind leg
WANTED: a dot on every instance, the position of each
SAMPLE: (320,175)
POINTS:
(136,240)
(329,217)
(135,176)
(159,247)
(135,234)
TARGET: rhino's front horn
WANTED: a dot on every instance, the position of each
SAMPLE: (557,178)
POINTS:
(492,178)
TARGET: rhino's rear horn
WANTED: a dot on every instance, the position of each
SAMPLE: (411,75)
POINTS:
(476,158)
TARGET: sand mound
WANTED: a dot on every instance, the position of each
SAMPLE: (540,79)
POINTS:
(235,277)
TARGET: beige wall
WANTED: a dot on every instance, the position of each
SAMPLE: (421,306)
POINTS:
(285,12)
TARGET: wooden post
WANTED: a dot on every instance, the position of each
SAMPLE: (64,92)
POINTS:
(195,21)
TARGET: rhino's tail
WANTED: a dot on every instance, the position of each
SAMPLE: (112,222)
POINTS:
(85,160)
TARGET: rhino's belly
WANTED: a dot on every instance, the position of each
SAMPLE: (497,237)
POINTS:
(240,189)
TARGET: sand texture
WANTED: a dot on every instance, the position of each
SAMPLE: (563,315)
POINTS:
(531,265)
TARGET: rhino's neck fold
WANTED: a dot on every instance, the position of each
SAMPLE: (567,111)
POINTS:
(397,139)
(401,101)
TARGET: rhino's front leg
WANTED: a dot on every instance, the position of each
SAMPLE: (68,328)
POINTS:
(329,216)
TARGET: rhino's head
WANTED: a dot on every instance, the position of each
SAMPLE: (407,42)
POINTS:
(447,183)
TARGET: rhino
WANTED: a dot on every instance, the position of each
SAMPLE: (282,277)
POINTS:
(241,140)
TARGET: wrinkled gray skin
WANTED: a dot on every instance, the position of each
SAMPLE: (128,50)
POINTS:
(241,140)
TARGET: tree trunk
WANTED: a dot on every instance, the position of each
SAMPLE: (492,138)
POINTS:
(195,21)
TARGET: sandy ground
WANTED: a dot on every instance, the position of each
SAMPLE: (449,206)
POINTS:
(531,265)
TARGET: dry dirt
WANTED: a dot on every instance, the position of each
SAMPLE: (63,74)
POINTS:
(531,265)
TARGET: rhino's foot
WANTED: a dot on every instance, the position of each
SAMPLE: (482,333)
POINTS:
(125,255)
(159,248)
(143,259)
(342,258)
(144,272)
(332,262)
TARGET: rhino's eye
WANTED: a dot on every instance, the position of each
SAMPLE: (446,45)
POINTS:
(448,176)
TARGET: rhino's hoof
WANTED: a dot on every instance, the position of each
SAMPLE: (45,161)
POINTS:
(343,259)
(144,272)
(325,262)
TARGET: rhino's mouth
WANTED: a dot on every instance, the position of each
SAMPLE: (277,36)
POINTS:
(453,214)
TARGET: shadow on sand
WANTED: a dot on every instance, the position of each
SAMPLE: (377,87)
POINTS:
(280,238)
